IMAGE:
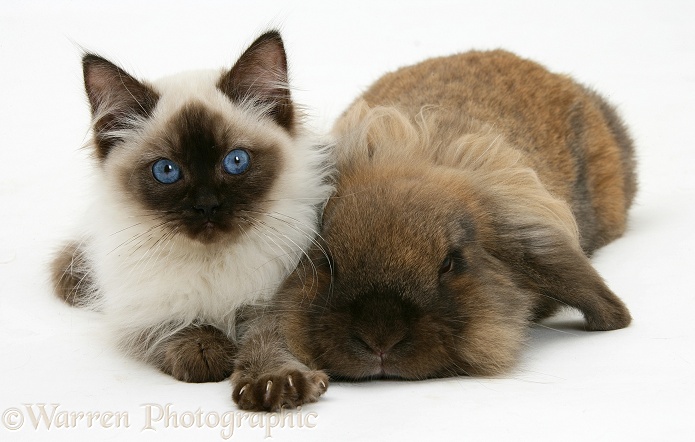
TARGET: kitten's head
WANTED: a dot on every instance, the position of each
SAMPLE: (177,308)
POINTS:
(201,153)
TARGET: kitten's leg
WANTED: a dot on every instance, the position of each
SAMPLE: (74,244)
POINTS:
(267,376)
(70,275)
(197,353)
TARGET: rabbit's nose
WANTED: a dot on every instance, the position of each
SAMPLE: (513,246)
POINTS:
(379,346)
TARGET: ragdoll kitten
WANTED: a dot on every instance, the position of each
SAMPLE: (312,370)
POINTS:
(207,195)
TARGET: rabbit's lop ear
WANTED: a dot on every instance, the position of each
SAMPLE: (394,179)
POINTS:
(545,254)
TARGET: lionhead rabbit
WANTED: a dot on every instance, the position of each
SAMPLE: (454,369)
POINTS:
(470,191)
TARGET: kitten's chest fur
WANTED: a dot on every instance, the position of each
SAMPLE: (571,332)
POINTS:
(148,276)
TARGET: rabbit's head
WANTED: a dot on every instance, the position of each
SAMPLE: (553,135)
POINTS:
(426,270)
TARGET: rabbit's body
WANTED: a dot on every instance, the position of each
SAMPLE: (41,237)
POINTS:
(470,191)
(568,135)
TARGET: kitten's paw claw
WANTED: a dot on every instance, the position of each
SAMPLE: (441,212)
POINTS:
(271,392)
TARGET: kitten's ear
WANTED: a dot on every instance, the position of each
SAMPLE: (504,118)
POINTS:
(260,76)
(552,264)
(118,101)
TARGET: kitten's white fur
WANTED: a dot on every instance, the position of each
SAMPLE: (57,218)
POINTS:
(148,280)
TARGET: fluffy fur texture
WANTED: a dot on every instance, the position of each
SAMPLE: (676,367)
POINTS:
(471,190)
(170,264)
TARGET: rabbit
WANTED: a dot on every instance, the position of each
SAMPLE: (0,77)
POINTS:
(471,191)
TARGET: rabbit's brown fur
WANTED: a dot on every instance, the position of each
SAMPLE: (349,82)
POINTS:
(470,191)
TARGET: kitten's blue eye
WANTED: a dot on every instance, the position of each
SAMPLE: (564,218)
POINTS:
(166,171)
(236,162)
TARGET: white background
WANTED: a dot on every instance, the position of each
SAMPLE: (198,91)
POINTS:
(632,384)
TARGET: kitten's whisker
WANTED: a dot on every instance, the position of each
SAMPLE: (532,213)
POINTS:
(160,244)
(314,241)
(311,238)
(299,248)
(291,251)
(126,228)
(135,237)
(554,329)
(308,198)
(276,215)
(148,252)
(150,236)
(264,237)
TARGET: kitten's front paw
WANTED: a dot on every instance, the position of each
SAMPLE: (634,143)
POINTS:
(270,392)
(198,354)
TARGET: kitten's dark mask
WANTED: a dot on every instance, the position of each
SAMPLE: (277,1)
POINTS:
(205,181)
(199,175)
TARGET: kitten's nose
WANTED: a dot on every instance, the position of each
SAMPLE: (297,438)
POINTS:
(207,205)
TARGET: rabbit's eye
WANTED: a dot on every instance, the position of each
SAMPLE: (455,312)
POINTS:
(447,265)
(453,263)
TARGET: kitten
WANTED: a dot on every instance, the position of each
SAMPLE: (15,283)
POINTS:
(208,195)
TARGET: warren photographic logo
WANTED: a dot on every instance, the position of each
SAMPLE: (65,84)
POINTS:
(52,416)
(151,417)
